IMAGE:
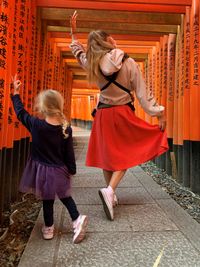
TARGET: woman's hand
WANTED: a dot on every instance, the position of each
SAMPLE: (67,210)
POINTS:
(162,122)
(73,22)
(16,84)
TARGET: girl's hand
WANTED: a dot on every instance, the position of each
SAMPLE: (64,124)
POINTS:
(16,84)
(162,122)
(73,22)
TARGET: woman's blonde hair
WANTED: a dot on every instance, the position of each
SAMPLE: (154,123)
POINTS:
(97,47)
(50,103)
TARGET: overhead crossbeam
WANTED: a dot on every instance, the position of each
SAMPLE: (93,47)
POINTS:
(163,2)
(67,41)
(136,29)
(105,5)
(134,37)
(110,16)
(128,27)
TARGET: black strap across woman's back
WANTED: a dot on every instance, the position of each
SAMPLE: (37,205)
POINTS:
(112,79)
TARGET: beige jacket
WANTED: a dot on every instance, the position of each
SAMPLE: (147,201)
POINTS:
(129,76)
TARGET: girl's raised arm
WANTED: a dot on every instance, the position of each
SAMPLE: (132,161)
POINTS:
(22,115)
(16,84)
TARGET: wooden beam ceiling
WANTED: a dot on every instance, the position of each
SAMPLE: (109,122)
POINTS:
(111,16)
(135,25)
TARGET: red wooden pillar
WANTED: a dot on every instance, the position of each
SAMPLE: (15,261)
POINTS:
(165,73)
(6,114)
(186,101)
(68,95)
(170,97)
(177,80)
(187,88)
(170,84)
(194,93)
(6,63)
(195,97)
(160,67)
(181,83)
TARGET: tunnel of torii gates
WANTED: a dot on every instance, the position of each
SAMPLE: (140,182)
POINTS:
(161,35)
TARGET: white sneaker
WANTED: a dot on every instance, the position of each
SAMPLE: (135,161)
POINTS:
(107,200)
(48,232)
(115,201)
(80,228)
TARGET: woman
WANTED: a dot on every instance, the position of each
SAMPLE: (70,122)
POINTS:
(119,140)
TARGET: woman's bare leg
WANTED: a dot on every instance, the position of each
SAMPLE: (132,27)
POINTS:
(116,178)
(107,176)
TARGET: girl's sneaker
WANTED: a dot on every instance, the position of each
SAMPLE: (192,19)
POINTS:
(80,228)
(48,232)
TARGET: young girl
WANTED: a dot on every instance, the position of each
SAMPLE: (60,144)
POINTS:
(119,140)
(52,162)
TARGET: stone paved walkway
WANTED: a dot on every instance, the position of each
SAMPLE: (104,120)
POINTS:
(147,222)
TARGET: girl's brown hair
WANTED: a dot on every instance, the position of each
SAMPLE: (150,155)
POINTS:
(50,103)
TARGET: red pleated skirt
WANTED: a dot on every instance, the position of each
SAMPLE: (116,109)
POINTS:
(120,140)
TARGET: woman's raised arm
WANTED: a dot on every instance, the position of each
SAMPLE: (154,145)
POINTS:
(73,25)
(77,48)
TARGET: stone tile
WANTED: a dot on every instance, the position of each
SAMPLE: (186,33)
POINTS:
(88,180)
(137,218)
(82,157)
(80,163)
(98,221)
(35,261)
(129,180)
(78,151)
(123,249)
(136,169)
(81,135)
(81,152)
(151,186)
(134,195)
(80,160)
(97,180)
(147,217)
(86,196)
(40,252)
(187,225)
(81,169)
